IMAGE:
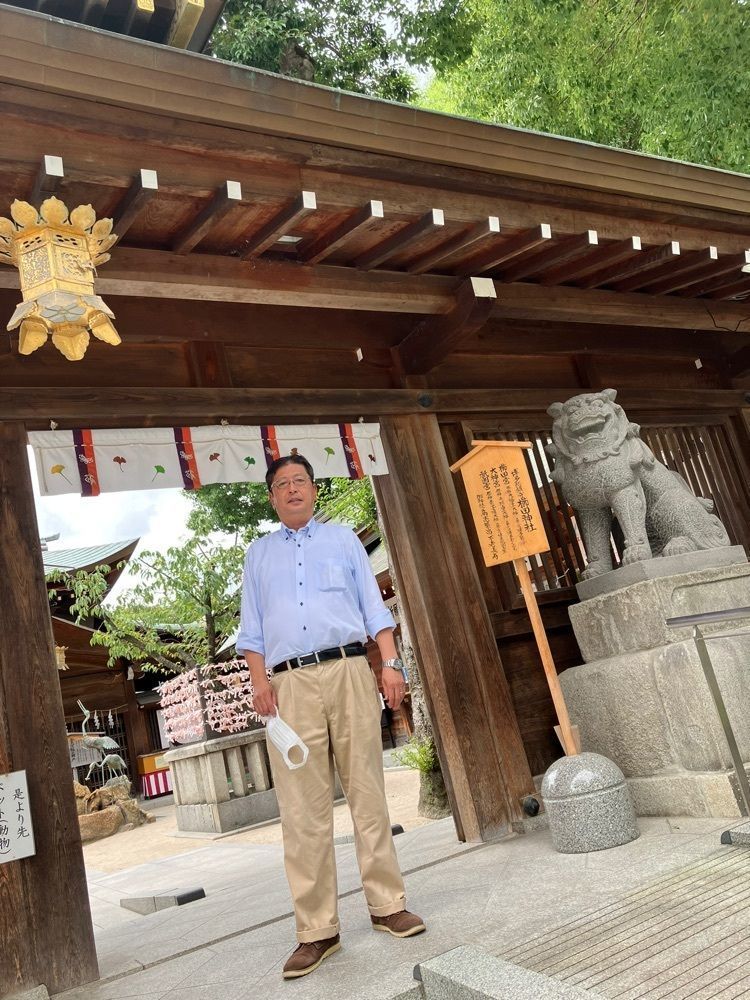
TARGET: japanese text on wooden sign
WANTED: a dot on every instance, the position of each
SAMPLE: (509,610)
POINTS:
(16,833)
(502,500)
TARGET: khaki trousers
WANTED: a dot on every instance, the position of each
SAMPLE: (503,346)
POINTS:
(334,708)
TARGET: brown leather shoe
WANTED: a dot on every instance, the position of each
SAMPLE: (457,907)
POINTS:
(308,955)
(401,924)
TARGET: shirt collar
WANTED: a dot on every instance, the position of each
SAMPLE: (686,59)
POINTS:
(308,529)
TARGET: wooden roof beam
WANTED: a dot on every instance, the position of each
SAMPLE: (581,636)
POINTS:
(146,406)
(644,261)
(516,246)
(428,223)
(366,219)
(728,275)
(741,287)
(212,277)
(739,363)
(691,269)
(138,16)
(599,257)
(638,281)
(227,197)
(92,12)
(47,180)
(138,195)
(552,254)
(466,240)
(433,339)
(280,225)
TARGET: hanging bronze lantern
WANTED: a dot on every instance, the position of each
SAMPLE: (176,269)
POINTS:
(57,254)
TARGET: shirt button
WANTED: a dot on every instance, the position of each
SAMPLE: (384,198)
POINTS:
(304,628)
(301,603)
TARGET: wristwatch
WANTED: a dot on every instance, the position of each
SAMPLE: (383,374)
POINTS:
(396,662)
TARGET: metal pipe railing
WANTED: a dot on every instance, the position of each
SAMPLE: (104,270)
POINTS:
(708,618)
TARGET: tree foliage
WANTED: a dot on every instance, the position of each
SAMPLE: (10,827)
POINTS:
(660,76)
(243,508)
(183,606)
(360,45)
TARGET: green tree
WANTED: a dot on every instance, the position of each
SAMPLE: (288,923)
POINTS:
(662,77)
(184,604)
(360,45)
(234,508)
(243,508)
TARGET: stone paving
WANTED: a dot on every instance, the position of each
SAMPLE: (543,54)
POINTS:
(232,944)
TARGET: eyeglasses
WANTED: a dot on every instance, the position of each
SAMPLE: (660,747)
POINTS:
(297,482)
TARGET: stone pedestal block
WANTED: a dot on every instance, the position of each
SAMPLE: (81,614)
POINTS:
(634,617)
(588,804)
(641,698)
(651,712)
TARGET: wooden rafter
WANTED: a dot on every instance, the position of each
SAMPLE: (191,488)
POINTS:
(599,257)
(728,273)
(433,339)
(227,197)
(428,223)
(47,179)
(690,269)
(551,255)
(366,219)
(644,261)
(143,188)
(280,225)
(511,249)
(466,240)
(741,287)
(635,282)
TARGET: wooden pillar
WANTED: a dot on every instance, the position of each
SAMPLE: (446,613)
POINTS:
(477,736)
(137,729)
(45,922)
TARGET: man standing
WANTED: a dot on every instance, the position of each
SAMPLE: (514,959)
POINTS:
(309,600)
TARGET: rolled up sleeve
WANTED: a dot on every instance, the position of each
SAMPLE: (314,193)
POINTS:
(250,637)
(375,614)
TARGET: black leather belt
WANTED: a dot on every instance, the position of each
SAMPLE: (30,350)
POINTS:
(336,653)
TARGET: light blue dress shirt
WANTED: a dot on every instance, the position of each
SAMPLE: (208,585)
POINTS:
(307,590)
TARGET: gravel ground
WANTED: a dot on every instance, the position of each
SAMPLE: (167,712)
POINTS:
(159,840)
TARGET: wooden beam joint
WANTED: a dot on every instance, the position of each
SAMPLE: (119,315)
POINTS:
(432,340)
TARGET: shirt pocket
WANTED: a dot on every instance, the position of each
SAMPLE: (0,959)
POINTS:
(332,575)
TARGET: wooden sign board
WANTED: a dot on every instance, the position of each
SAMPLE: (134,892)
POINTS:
(16,833)
(509,526)
(503,502)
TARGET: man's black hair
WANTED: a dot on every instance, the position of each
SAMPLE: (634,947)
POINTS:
(274,467)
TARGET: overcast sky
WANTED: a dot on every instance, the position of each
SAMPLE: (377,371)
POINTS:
(158,517)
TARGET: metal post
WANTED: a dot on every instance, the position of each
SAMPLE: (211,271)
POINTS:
(708,670)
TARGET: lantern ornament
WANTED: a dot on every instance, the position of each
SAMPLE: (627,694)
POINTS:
(56,254)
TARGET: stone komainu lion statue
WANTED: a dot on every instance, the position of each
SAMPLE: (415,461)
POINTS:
(603,469)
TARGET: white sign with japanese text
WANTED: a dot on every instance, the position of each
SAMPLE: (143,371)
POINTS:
(16,833)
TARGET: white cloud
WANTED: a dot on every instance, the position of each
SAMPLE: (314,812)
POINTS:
(158,517)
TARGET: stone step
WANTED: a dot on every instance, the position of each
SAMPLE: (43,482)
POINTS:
(738,836)
(162,900)
(468,973)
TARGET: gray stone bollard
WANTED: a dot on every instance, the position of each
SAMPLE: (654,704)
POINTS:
(588,804)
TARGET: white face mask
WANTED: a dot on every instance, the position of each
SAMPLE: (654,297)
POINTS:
(285,739)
